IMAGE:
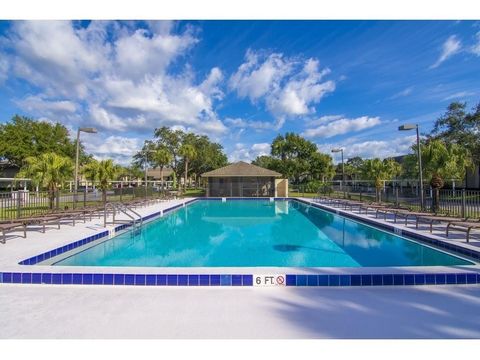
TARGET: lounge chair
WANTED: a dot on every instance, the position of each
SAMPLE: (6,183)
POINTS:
(11,226)
(407,214)
(41,220)
(430,219)
(465,226)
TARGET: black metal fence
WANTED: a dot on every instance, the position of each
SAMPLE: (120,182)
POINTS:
(451,201)
(24,203)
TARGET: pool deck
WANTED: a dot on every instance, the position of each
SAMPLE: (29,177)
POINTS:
(83,311)
(101,312)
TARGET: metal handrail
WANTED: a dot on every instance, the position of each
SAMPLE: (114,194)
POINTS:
(124,209)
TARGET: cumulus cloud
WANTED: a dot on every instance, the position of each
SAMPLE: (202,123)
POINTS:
(449,48)
(37,104)
(115,76)
(335,125)
(289,87)
(372,148)
(248,152)
(119,148)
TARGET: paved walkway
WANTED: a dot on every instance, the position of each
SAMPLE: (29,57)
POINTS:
(69,311)
(47,311)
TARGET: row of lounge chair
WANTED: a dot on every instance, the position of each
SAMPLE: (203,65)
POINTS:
(460,224)
(58,217)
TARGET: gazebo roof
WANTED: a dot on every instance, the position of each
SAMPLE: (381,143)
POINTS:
(242,169)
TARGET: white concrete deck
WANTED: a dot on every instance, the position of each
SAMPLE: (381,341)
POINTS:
(68,311)
(82,311)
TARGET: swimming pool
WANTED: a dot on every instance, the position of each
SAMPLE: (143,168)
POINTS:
(258,233)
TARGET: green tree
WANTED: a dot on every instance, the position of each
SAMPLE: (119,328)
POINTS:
(442,161)
(107,171)
(379,171)
(172,139)
(188,152)
(210,155)
(295,153)
(90,171)
(353,166)
(23,137)
(161,158)
(460,127)
(268,162)
(49,171)
(321,166)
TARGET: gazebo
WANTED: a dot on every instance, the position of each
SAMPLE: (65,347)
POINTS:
(241,179)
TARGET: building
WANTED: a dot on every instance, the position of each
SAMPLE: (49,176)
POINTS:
(245,180)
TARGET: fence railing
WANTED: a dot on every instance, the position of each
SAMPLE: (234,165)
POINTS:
(24,203)
(453,202)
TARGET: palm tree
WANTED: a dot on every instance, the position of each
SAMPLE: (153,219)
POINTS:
(107,171)
(90,171)
(443,161)
(379,171)
(49,171)
(161,158)
(189,153)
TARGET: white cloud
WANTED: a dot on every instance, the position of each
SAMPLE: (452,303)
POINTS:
(450,47)
(288,86)
(403,93)
(337,126)
(475,49)
(246,152)
(459,95)
(372,148)
(41,105)
(120,148)
(250,124)
(3,69)
(113,75)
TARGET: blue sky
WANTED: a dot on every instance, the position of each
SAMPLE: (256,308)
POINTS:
(338,83)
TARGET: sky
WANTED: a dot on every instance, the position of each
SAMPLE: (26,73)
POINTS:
(346,84)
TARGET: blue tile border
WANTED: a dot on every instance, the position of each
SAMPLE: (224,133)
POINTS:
(60,250)
(198,280)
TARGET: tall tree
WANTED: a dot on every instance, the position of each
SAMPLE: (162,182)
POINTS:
(379,171)
(460,127)
(90,171)
(23,137)
(294,152)
(172,139)
(321,166)
(188,152)
(443,161)
(49,171)
(161,158)
(107,171)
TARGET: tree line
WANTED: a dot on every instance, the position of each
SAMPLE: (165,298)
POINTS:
(448,151)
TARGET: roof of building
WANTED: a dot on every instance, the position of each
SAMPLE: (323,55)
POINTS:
(241,168)
(155,173)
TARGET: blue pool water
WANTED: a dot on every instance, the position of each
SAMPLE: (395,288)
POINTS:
(253,233)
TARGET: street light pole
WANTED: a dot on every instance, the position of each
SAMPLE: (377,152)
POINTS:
(343,169)
(419,156)
(86,130)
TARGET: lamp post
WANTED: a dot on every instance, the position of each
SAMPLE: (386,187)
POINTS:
(85,130)
(407,127)
(336,150)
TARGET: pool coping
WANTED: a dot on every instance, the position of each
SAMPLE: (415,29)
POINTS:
(229,276)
